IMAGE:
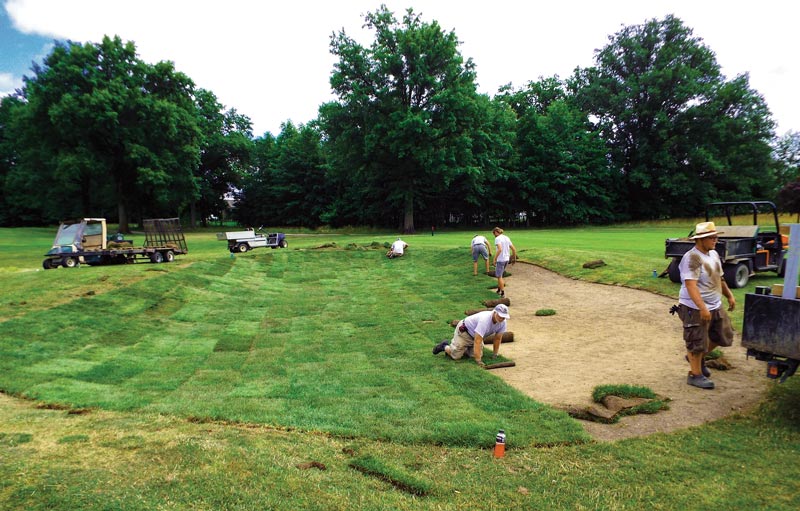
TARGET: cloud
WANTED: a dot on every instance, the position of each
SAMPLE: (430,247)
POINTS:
(271,60)
(9,83)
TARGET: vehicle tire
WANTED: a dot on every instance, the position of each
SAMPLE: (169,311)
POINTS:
(782,268)
(242,247)
(169,256)
(47,264)
(70,262)
(284,243)
(157,257)
(736,275)
(674,270)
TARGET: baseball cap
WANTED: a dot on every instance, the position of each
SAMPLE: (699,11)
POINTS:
(502,310)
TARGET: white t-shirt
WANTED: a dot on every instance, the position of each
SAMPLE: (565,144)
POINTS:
(707,271)
(398,247)
(479,240)
(504,243)
(481,324)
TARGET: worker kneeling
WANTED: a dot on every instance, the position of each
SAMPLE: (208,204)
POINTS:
(471,331)
(398,249)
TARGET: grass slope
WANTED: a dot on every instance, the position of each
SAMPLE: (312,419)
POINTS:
(140,455)
(326,340)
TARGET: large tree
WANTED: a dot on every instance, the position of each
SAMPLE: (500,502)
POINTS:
(103,126)
(672,122)
(407,113)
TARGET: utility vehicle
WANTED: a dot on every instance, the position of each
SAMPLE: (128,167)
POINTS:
(743,249)
(242,241)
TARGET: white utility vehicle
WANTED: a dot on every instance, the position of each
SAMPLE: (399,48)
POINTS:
(242,241)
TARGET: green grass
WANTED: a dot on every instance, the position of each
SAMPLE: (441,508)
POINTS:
(629,391)
(397,477)
(341,347)
(204,383)
(625,391)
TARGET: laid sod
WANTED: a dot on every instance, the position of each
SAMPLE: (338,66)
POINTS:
(99,459)
(330,341)
(395,476)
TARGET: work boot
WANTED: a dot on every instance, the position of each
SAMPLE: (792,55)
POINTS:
(703,367)
(699,381)
(440,347)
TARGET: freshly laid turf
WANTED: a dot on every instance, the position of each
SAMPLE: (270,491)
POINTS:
(165,335)
(331,341)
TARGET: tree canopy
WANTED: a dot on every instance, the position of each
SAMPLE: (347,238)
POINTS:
(679,134)
(408,119)
(651,130)
(107,128)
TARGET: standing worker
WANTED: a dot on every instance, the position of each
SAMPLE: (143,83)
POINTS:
(706,325)
(471,331)
(504,254)
(480,247)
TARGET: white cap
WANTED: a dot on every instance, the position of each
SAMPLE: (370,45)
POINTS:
(502,310)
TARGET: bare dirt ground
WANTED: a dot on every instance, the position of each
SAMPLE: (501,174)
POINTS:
(605,334)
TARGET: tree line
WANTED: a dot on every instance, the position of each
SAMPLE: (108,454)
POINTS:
(652,130)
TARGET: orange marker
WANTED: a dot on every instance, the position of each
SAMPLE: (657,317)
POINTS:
(500,444)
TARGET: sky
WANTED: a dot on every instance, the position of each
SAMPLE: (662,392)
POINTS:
(271,61)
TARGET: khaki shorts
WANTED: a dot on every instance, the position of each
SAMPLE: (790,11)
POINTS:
(461,344)
(697,334)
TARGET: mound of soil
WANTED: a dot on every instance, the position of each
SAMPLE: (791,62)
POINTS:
(605,334)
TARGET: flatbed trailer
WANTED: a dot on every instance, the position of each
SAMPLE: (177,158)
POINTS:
(86,241)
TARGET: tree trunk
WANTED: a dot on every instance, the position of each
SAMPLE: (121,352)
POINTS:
(408,216)
(123,211)
(193,214)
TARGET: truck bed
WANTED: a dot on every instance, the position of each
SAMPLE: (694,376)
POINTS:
(772,325)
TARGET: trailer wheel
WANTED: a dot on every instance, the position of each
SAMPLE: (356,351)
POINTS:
(70,262)
(674,270)
(242,247)
(169,256)
(47,264)
(157,257)
(736,275)
(284,243)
